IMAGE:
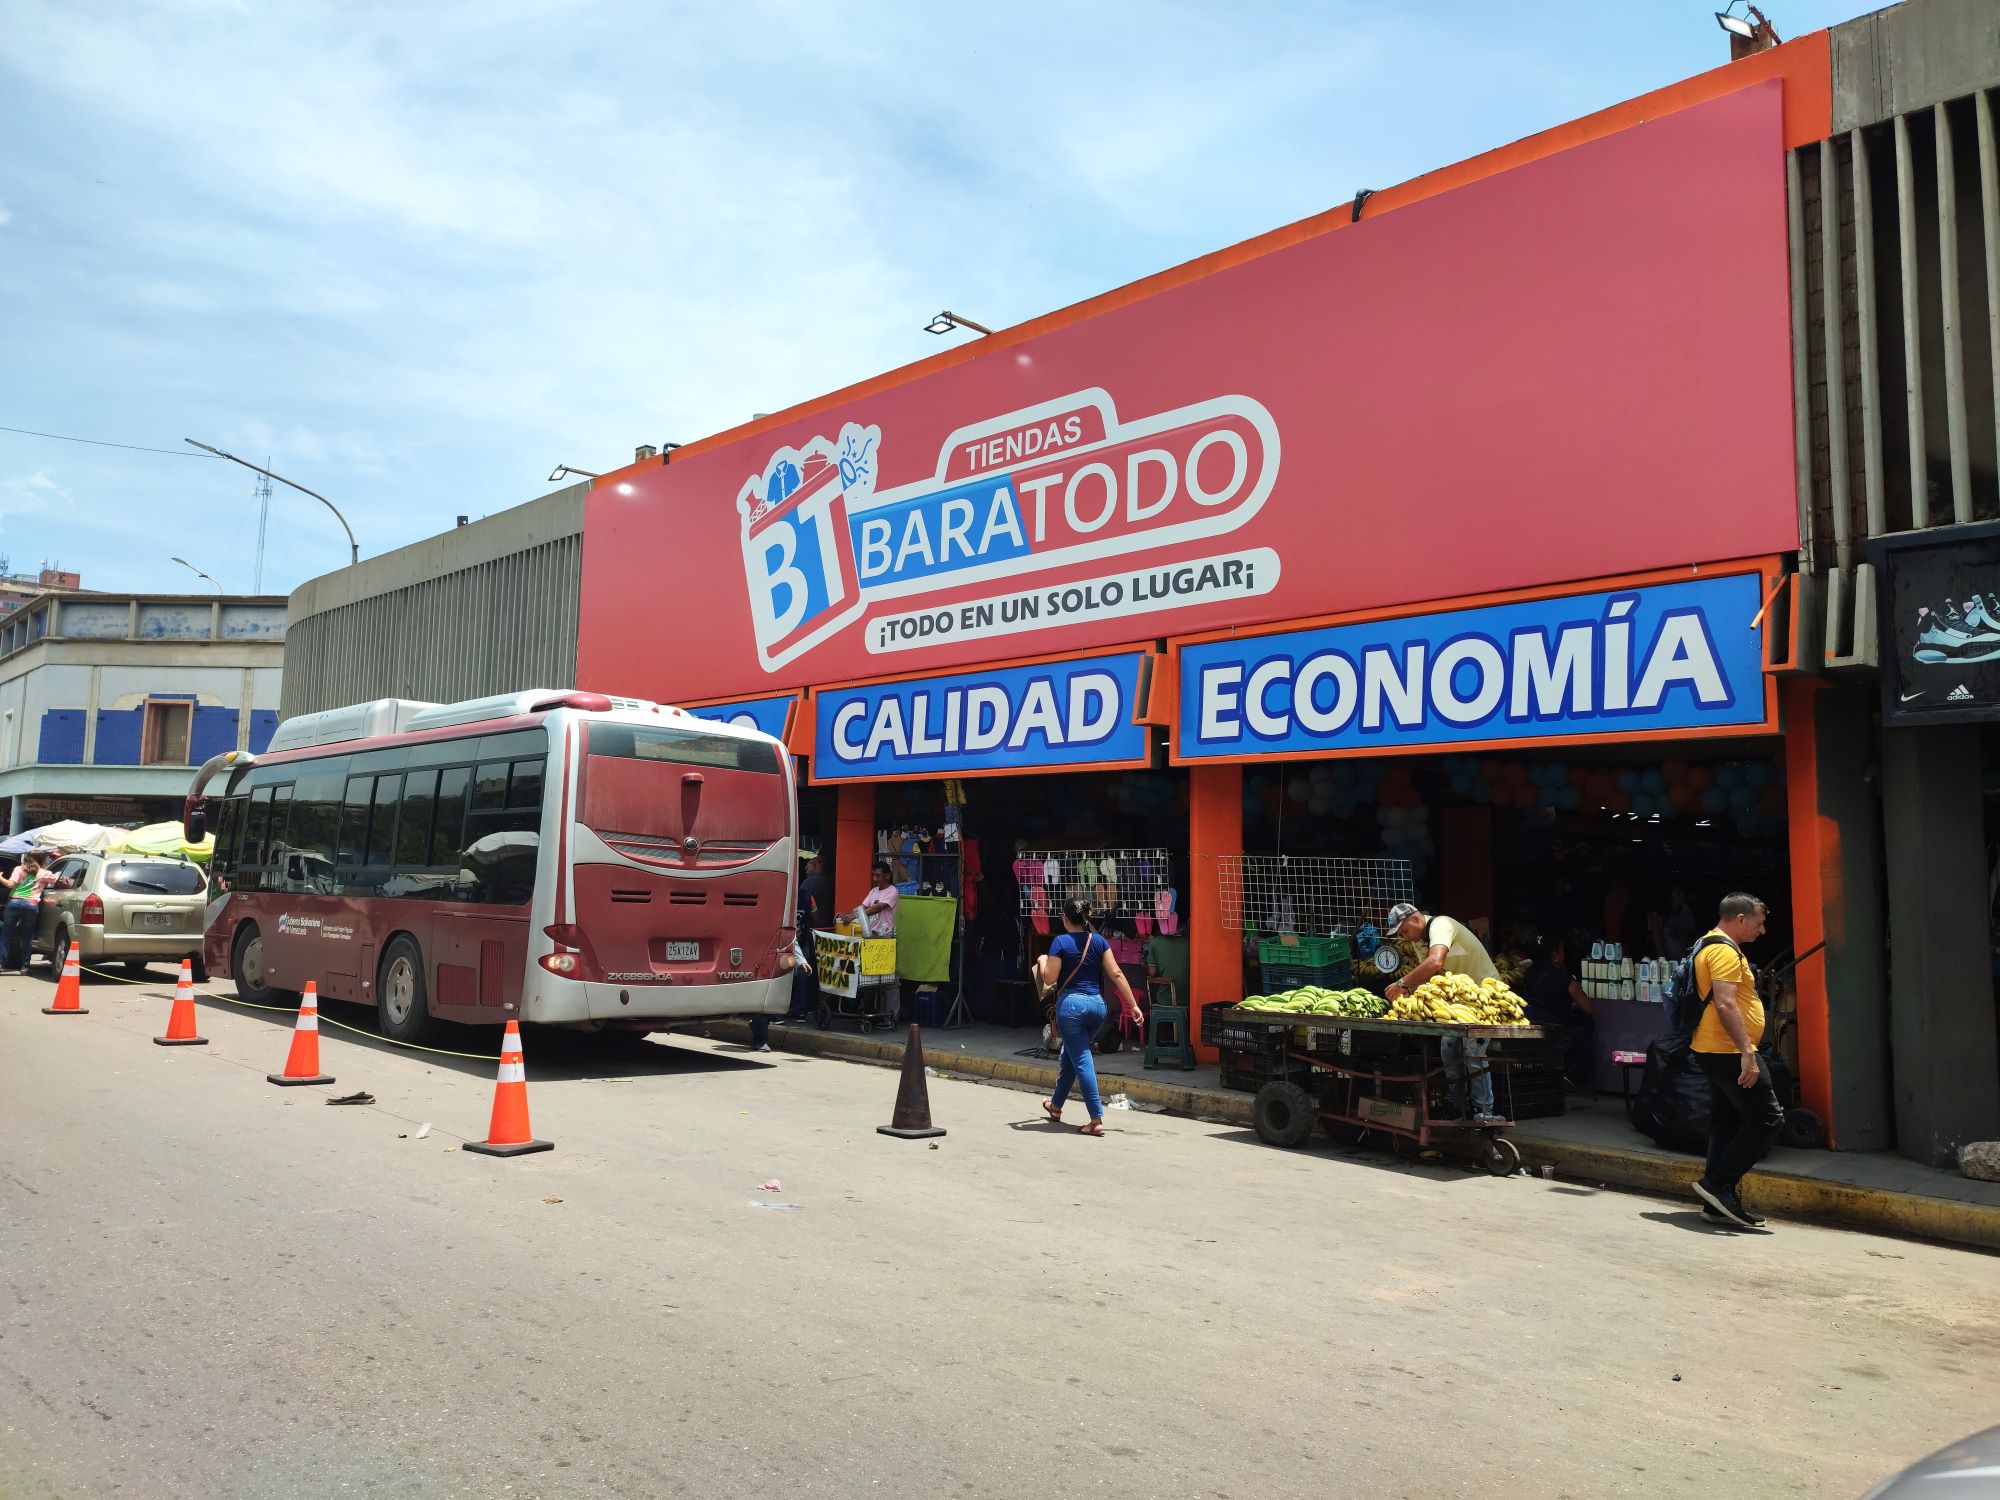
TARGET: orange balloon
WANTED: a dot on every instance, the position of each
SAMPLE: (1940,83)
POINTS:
(1701,778)
(1683,796)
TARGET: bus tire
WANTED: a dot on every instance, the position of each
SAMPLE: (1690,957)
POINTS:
(246,964)
(402,999)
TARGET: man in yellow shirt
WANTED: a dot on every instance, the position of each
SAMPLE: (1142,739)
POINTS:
(1744,1112)
(1454,949)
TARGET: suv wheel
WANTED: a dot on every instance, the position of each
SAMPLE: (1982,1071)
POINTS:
(402,1001)
(252,971)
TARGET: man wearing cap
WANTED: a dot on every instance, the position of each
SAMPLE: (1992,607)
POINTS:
(1454,950)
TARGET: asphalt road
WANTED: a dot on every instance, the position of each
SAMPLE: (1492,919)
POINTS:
(213,1287)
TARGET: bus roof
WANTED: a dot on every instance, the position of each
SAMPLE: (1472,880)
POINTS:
(392,716)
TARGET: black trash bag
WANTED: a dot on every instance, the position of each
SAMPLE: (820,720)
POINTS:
(1672,1103)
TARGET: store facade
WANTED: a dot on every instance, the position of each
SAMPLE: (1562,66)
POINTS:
(1416,536)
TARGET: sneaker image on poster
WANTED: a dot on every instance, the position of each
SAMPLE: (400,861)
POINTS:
(1951,636)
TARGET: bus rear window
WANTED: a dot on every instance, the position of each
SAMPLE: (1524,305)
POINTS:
(684,747)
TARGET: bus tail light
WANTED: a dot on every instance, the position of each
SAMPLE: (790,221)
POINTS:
(567,935)
(93,910)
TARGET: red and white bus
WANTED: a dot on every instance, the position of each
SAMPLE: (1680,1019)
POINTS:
(550,856)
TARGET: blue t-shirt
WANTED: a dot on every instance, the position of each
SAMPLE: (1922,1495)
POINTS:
(1066,951)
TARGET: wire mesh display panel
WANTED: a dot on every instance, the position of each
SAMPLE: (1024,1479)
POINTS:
(1280,893)
(1118,882)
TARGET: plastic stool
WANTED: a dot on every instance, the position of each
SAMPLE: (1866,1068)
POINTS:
(1167,1036)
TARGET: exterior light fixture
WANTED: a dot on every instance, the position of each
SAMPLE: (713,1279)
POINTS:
(1749,33)
(563,471)
(944,322)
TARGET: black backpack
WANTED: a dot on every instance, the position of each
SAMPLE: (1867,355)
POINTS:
(1684,999)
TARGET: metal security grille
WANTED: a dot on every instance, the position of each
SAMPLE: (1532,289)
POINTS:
(1316,895)
(1117,882)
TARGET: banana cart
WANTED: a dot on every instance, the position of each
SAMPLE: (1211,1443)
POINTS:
(1354,1076)
(857,980)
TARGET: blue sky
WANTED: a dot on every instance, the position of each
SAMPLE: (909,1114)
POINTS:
(414,256)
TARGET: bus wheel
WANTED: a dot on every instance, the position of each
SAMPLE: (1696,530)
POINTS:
(252,970)
(402,1006)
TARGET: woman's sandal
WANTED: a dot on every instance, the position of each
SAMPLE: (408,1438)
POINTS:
(1051,1111)
(1095,1127)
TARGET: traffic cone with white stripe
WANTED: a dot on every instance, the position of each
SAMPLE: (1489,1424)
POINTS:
(180,1021)
(302,1063)
(69,989)
(508,1133)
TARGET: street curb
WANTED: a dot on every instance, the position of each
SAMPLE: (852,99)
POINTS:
(1202,1104)
(1783,1194)
(1779,1193)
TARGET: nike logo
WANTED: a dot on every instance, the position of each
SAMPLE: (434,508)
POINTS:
(1917,694)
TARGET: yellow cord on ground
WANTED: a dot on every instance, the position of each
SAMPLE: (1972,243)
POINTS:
(373,1036)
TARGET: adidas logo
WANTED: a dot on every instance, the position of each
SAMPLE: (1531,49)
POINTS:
(1959,694)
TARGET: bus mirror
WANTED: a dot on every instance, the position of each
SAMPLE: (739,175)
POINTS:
(194,827)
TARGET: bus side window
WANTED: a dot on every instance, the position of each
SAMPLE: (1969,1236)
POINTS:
(229,822)
(256,828)
(351,843)
(316,807)
(448,827)
(503,831)
(413,828)
(276,841)
(382,830)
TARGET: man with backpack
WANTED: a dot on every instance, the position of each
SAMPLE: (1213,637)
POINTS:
(1744,1112)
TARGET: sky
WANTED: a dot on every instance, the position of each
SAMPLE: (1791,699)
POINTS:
(415,256)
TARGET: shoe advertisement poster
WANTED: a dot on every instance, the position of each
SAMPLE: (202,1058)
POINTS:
(1940,617)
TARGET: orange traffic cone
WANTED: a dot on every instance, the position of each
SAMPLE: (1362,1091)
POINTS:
(69,989)
(180,1021)
(508,1134)
(302,1063)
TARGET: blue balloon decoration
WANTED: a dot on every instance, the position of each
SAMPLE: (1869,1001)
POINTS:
(1654,782)
(1729,777)
(1569,798)
(1743,799)
(1714,800)
(1628,782)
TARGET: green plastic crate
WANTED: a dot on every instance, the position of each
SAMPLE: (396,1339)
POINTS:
(1304,952)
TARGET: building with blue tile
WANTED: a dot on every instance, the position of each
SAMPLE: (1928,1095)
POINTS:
(108,701)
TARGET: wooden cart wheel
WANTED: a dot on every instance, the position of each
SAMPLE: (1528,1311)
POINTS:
(1499,1155)
(1283,1113)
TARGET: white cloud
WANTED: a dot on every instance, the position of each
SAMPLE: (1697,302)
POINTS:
(26,494)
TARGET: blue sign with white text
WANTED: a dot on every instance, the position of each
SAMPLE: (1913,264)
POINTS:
(772,715)
(1670,656)
(1052,714)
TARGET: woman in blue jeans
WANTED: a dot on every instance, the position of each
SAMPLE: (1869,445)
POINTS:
(1076,968)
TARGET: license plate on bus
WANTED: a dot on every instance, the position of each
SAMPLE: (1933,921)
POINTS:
(683,952)
(153,921)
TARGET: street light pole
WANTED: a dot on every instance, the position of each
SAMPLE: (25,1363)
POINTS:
(199,574)
(353,547)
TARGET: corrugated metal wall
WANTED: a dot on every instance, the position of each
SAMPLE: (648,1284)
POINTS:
(492,627)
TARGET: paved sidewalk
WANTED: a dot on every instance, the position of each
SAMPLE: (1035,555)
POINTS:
(1874,1190)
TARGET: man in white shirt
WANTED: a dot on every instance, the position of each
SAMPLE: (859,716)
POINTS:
(1454,949)
(878,907)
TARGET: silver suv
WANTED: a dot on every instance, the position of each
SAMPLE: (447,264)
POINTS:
(137,908)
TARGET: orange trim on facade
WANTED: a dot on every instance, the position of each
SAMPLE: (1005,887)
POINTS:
(1805,67)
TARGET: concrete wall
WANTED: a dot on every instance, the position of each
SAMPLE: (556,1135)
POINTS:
(486,608)
(1911,56)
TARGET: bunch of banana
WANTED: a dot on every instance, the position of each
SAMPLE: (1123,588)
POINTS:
(1512,970)
(1458,1001)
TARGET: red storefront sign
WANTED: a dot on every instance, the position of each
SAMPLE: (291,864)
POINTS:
(1573,369)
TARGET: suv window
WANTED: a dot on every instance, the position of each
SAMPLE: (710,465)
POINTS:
(150,879)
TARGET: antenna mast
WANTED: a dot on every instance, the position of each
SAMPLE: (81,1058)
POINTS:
(263,493)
